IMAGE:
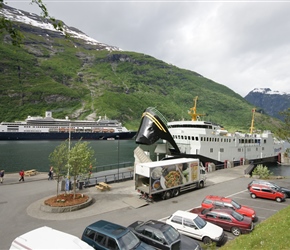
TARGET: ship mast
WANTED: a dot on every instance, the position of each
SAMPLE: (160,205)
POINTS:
(252,123)
(192,111)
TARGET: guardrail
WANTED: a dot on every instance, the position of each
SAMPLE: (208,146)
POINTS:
(111,173)
(114,166)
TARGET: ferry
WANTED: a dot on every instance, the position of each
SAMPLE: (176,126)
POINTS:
(207,141)
(49,128)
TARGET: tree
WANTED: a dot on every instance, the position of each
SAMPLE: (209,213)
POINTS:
(59,160)
(284,132)
(75,162)
(16,35)
(79,161)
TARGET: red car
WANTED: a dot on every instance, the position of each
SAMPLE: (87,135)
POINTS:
(215,201)
(266,192)
(226,218)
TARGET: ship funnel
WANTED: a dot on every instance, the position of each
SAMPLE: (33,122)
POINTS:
(152,128)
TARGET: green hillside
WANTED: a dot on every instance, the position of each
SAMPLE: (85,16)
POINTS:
(74,79)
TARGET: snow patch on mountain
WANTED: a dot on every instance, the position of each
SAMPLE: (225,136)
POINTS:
(268,91)
(37,21)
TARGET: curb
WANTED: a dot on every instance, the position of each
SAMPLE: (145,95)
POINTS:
(49,209)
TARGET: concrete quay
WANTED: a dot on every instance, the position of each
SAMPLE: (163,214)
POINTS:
(121,195)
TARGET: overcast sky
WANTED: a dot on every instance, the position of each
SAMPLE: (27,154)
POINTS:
(240,44)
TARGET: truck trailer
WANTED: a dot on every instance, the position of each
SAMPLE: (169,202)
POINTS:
(168,178)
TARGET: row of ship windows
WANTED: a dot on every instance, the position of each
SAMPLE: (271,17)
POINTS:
(239,150)
(210,139)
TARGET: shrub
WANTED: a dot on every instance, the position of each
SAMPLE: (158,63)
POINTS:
(262,171)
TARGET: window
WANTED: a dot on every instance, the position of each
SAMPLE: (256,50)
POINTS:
(189,223)
(218,204)
(211,150)
(266,190)
(211,215)
(112,244)
(100,239)
(157,237)
(147,233)
(224,217)
(90,234)
(177,219)
(196,138)
(221,150)
(206,201)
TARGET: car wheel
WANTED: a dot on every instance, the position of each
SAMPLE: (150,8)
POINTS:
(201,184)
(206,240)
(278,199)
(235,231)
(253,196)
(175,192)
(166,195)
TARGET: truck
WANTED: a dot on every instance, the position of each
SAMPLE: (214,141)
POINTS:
(168,178)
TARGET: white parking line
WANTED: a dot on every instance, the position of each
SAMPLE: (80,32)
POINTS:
(237,193)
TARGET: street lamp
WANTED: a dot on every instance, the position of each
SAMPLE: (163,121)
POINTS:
(118,137)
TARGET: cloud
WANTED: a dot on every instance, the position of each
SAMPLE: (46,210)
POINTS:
(243,45)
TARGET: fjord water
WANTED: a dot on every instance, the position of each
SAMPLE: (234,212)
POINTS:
(17,155)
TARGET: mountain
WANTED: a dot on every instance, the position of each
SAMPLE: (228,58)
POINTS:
(271,102)
(82,78)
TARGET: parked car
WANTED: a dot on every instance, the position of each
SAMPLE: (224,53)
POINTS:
(162,236)
(223,202)
(266,192)
(48,238)
(193,226)
(273,185)
(226,218)
(105,235)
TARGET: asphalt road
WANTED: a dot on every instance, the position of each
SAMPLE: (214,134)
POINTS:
(19,202)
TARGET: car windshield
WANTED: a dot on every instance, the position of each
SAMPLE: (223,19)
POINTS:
(199,222)
(128,241)
(236,205)
(171,235)
(237,216)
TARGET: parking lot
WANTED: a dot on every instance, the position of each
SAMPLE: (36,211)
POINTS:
(237,190)
(264,208)
(17,200)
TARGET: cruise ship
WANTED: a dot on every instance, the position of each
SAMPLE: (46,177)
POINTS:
(208,141)
(49,128)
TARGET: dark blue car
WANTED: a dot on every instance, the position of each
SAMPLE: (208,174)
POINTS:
(106,235)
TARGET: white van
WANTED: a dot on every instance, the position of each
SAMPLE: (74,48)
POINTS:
(48,238)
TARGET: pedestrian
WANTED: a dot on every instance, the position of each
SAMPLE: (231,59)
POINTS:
(50,174)
(1,176)
(21,173)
